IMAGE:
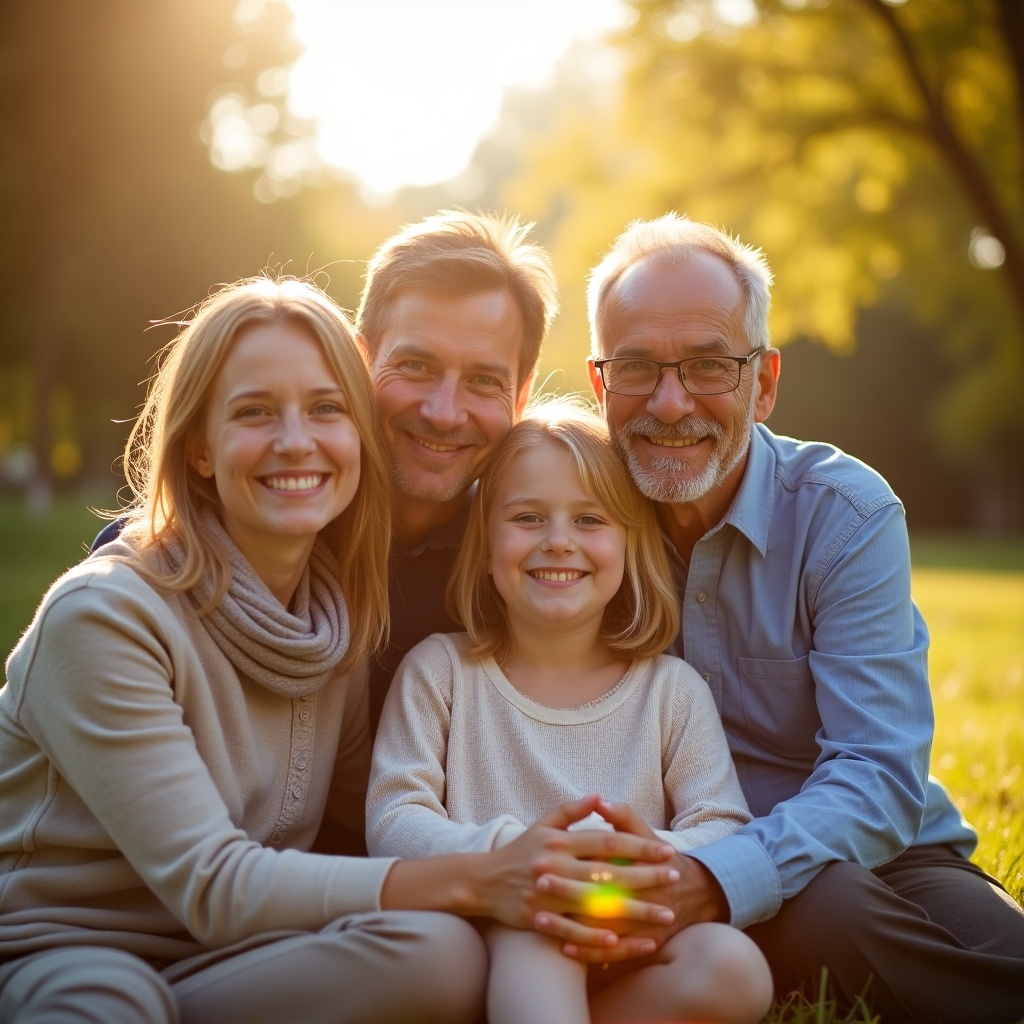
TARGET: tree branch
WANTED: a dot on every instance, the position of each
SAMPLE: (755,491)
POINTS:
(959,158)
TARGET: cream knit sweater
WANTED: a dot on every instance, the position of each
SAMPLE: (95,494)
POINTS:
(154,799)
(464,762)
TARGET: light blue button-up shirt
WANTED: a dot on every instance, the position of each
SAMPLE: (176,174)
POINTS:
(797,613)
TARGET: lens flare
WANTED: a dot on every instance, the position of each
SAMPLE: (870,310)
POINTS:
(605,900)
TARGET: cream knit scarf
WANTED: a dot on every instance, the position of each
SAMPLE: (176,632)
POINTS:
(291,653)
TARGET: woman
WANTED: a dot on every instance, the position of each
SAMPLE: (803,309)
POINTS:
(171,721)
(183,701)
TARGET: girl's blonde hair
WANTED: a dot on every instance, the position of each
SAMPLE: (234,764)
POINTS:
(169,495)
(643,617)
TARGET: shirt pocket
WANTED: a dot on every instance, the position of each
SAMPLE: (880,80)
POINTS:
(779,708)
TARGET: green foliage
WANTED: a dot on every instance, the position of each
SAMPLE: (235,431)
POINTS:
(858,143)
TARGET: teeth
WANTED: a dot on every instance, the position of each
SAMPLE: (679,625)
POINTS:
(295,483)
(556,577)
(437,447)
(674,442)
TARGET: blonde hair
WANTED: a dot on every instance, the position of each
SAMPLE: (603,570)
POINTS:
(643,617)
(169,495)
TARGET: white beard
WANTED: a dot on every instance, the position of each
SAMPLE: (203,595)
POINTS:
(664,478)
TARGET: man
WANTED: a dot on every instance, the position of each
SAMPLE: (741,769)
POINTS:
(453,314)
(793,569)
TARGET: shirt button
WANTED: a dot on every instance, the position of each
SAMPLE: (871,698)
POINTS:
(707,677)
(296,791)
(300,761)
(304,714)
(702,597)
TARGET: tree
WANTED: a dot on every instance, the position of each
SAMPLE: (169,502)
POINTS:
(113,213)
(873,150)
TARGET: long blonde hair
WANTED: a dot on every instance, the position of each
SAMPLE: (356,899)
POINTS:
(643,617)
(169,495)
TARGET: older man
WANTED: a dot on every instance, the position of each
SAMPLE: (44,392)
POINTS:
(453,314)
(793,569)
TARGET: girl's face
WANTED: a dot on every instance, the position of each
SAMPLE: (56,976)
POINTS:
(279,442)
(556,556)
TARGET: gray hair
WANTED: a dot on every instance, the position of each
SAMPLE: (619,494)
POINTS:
(673,241)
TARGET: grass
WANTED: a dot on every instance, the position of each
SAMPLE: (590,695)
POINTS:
(970,590)
(34,551)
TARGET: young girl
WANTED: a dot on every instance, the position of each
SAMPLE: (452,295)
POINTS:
(557,690)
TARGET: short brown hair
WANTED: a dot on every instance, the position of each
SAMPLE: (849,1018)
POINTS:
(643,617)
(460,253)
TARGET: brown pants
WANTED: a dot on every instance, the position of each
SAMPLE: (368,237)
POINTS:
(363,969)
(928,938)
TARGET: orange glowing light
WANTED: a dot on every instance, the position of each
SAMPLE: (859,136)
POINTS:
(605,900)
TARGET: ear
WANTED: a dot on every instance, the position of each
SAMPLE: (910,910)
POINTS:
(198,455)
(768,369)
(596,383)
(523,397)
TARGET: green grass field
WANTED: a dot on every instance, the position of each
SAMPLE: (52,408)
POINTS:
(971,592)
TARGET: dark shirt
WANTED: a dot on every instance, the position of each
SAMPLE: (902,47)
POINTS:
(417,579)
(109,532)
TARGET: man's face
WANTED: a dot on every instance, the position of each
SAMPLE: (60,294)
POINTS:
(683,448)
(446,379)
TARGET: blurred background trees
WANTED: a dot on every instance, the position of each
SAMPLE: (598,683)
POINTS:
(872,148)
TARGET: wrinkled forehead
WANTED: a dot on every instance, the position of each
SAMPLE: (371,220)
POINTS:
(658,299)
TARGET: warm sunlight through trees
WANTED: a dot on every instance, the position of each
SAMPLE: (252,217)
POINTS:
(873,149)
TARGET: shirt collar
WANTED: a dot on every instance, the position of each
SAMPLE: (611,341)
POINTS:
(751,508)
(447,535)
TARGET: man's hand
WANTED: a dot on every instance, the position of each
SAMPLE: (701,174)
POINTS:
(695,896)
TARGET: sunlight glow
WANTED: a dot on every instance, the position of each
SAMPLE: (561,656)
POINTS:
(401,91)
(604,900)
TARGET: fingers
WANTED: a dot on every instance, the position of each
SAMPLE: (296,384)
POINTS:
(584,936)
(601,844)
(624,819)
(602,899)
(575,810)
(590,944)
(615,873)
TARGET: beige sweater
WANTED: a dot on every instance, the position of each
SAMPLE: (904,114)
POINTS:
(153,799)
(464,762)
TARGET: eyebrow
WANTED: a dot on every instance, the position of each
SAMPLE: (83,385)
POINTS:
(265,392)
(533,499)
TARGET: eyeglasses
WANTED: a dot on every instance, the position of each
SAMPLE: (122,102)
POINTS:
(700,375)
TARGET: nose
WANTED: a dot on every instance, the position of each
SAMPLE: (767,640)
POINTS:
(670,401)
(558,536)
(293,436)
(442,407)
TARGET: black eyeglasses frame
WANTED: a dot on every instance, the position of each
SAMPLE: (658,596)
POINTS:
(676,365)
